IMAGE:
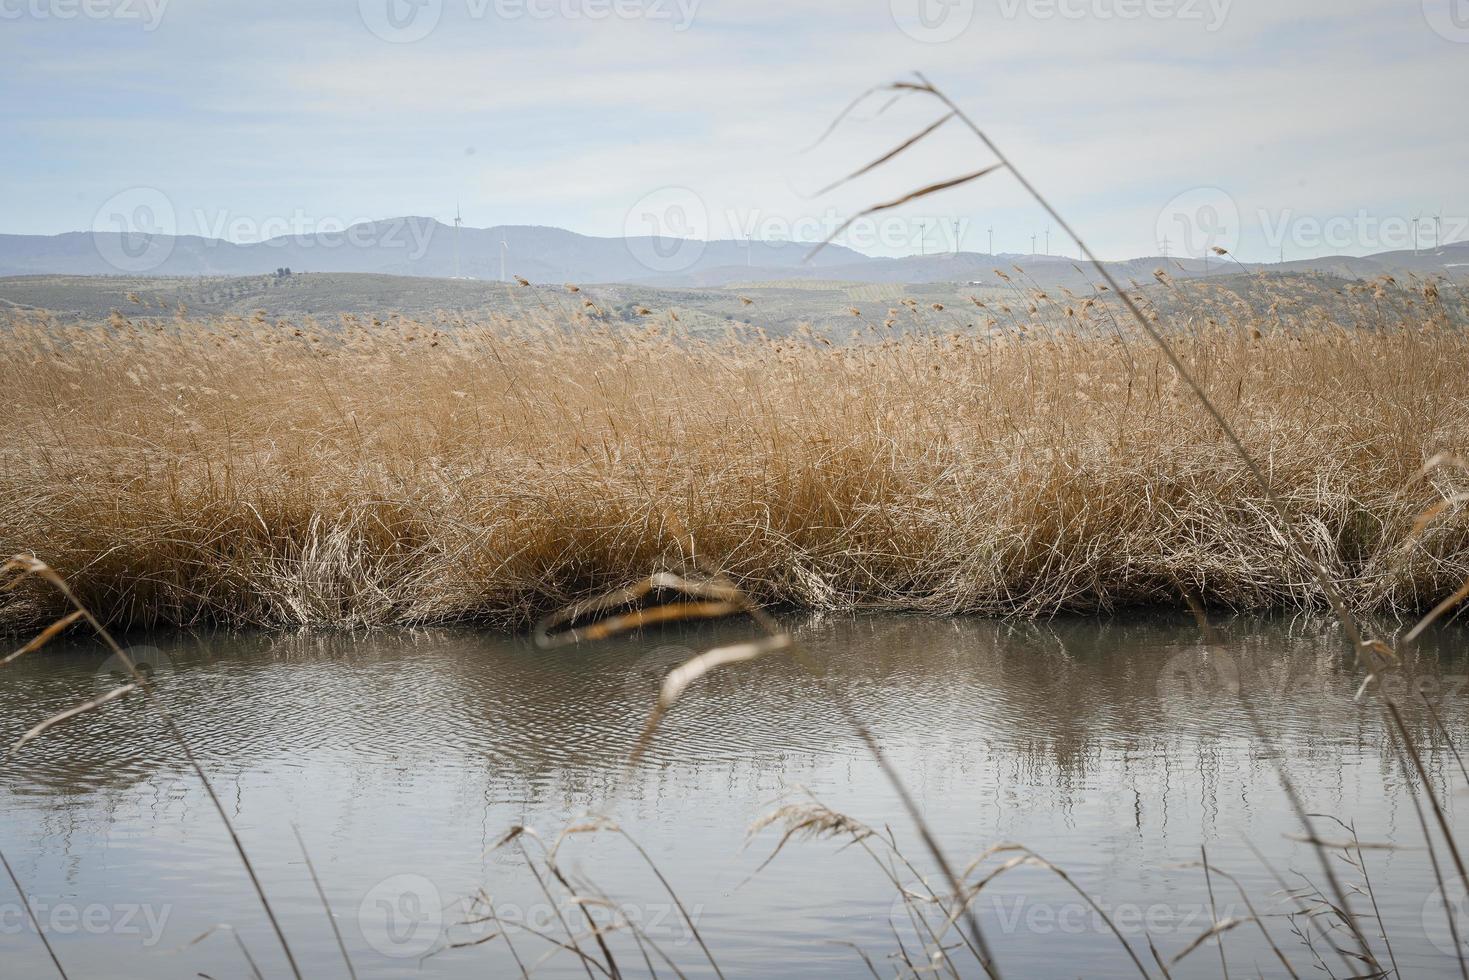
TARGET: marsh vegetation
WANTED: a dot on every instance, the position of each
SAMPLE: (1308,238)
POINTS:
(442,469)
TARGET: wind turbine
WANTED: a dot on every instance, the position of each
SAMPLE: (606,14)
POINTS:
(1048,239)
(1415,231)
(1438,230)
(504,247)
(457,222)
(992,239)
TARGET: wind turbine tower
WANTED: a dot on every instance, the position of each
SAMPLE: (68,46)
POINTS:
(504,247)
(992,239)
(457,222)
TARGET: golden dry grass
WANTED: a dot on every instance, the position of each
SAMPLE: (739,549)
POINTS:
(380,472)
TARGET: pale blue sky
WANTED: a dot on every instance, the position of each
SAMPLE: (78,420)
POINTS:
(1314,126)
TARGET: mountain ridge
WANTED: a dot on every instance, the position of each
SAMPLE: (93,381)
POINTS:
(425,247)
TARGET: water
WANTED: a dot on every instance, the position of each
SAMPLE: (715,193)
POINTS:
(1113,748)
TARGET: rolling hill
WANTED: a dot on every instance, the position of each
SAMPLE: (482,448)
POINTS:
(424,247)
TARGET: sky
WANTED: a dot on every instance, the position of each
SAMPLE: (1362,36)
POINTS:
(1275,129)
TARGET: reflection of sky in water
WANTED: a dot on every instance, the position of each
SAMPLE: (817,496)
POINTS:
(1114,749)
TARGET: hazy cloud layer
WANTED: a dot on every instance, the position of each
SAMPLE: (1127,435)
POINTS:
(1312,127)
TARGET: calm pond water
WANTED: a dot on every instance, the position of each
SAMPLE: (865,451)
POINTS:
(1114,748)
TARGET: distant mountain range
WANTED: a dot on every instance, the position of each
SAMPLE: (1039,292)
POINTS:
(417,246)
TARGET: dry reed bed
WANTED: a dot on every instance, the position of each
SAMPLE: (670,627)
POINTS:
(380,472)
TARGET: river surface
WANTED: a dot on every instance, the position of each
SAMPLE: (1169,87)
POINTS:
(1114,748)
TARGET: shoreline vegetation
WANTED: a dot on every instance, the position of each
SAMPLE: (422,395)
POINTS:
(1020,458)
